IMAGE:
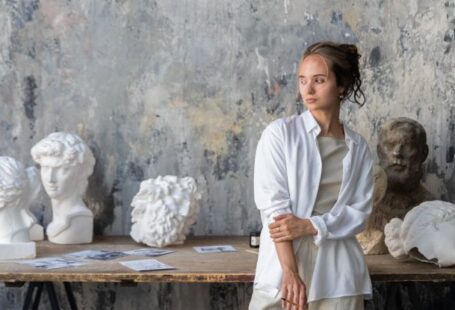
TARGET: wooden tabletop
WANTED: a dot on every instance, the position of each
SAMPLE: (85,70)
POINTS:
(191,266)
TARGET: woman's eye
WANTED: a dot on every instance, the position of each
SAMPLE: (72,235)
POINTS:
(303,82)
(319,81)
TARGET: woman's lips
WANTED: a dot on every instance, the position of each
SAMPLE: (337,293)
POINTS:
(310,100)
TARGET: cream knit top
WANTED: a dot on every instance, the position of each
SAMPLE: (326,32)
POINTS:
(332,152)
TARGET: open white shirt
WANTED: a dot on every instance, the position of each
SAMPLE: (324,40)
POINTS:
(287,174)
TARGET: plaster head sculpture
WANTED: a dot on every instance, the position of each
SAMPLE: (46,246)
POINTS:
(66,164)
(402,149)
(427,233)
(163,210)
(18,188)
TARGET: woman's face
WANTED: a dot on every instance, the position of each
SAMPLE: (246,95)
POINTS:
(317,84)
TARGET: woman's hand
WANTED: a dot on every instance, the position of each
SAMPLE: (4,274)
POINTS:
(288,227)
(293,291)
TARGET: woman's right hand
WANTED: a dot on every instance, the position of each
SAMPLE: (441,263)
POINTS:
(293,291)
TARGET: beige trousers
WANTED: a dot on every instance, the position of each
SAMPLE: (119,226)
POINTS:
(306,259)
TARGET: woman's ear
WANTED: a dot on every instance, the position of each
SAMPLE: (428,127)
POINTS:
(340,91)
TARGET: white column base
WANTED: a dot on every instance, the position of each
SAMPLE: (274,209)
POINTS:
(17,250)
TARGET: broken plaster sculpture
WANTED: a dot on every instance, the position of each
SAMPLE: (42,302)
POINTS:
(163,210)
(66,164)
(18,188)
(427,234)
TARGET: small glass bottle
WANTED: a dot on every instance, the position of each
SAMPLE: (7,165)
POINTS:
(254,239)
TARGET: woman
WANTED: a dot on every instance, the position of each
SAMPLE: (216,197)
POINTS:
(313,184)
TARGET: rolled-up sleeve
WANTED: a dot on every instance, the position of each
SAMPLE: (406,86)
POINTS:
(349,220)
(271,193)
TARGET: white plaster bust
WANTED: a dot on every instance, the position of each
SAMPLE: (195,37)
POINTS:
(163,210)
(18,187)
(66,163)
(427,233)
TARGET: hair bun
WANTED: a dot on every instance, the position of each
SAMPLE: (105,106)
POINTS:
(351,49)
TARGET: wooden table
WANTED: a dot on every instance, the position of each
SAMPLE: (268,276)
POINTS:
(194,267)
(191,267)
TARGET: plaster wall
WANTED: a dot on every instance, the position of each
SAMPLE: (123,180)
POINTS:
(186,88)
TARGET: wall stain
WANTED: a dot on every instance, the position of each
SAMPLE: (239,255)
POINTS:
(135,172)
(229,164)
(29,103)
(337,17)
(100,198)
(276,86)
(375,56)
(433,167)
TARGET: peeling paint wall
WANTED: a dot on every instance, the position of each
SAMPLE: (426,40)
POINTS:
(186,87)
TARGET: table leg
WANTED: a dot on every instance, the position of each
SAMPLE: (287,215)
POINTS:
(35,289)
(69,294)
(31,296)
(52,296)
(37,296)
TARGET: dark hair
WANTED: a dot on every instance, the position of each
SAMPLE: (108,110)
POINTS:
(343,59)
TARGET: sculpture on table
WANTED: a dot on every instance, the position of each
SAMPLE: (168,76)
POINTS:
(18,188)
(66,164)
(402,149)
(163,210)
(427,234)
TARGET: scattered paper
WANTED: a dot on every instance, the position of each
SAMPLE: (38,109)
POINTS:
(150,252)
(146,265)
(53,262)
(97,254)
(215,249)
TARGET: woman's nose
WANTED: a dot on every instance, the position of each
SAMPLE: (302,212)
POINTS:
(310,88)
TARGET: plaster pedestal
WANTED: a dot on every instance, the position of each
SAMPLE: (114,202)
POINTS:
(17,250)
(79,231)
(36,232)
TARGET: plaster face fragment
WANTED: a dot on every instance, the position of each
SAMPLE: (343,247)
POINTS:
(427,233)
(66,164)
(163,210)
(18,188)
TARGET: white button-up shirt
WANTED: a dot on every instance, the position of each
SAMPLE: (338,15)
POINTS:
(287,173)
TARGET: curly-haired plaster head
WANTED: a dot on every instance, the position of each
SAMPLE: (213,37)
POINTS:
(18,187)
(163,210)
(66,159)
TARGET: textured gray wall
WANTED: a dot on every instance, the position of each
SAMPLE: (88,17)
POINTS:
(186,87)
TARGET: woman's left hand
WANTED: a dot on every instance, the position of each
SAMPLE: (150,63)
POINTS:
(288,227)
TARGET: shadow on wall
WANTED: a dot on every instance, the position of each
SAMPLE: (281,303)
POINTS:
(101,198)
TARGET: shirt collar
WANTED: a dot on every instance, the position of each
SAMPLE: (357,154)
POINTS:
(312,125)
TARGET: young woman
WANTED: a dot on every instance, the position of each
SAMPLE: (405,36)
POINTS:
(313,184)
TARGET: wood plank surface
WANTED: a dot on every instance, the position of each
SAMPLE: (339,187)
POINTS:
(193,267)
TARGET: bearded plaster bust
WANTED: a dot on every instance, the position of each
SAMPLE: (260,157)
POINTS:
(402,149)
(163,210)
(18,188)
(427,233)
(66,163)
